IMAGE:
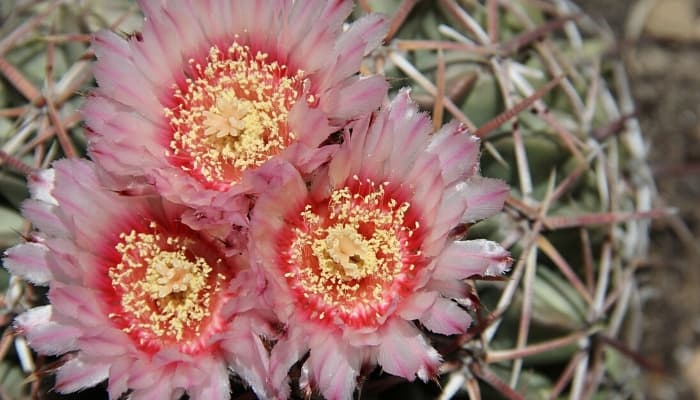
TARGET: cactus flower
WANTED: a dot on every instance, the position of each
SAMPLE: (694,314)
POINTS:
(365,249)
(211,90)
(136,297)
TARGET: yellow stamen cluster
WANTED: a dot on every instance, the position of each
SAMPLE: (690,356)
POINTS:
(164,288)
(355,249)
(345,253)
(233,113)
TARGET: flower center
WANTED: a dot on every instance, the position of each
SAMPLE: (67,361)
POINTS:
(170,272)
(231,114)
(166,291)
(352,256)
(345,253)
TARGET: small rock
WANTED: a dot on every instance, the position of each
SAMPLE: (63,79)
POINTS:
(692,371)
(674,20)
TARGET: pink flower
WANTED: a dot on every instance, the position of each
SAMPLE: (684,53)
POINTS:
(366,248)
(136,296)
(213,89)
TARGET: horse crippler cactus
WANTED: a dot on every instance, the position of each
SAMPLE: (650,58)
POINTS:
(381,198)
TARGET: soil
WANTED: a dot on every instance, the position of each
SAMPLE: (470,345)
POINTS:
(662,51)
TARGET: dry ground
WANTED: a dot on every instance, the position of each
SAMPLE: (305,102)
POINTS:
(662,51)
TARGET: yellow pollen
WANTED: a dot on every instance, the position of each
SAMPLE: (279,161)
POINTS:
(232,115)
(166,290)
(356,250)
(171,272)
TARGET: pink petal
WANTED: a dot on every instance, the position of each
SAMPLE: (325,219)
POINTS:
(335,11)
(120,80)
(43,217)
(312,52)
(268,215)
(216,385)
(428,186)
(413,128)
(247,287)
(124,126)
(158,37)
(308,43)
(307,160)
(387,148)
(97,111)
(338,171)
(116,128)
(108,342)
(286,353)
(159,65)
(64,264)
(41,185)
(448,216)
(77,302)
(28,260)
(246,353)
(93,210)
(118,377)
(361,96)
(144,376)
(76,375)
(218,221)
(463,259)
(302,11)
(364,35)
(457,150)
(446,318)
(362,132)
(405,352)
(416,305)
(75,192)
(450,288)
(239,18)
(334,366)
(485,197)
(192,42)
(362,337)
(181,188)
(160,389)
(108,43)
(213,12)
(46,335)
(263,13)
(310,123)
(169,356)
(378,147)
